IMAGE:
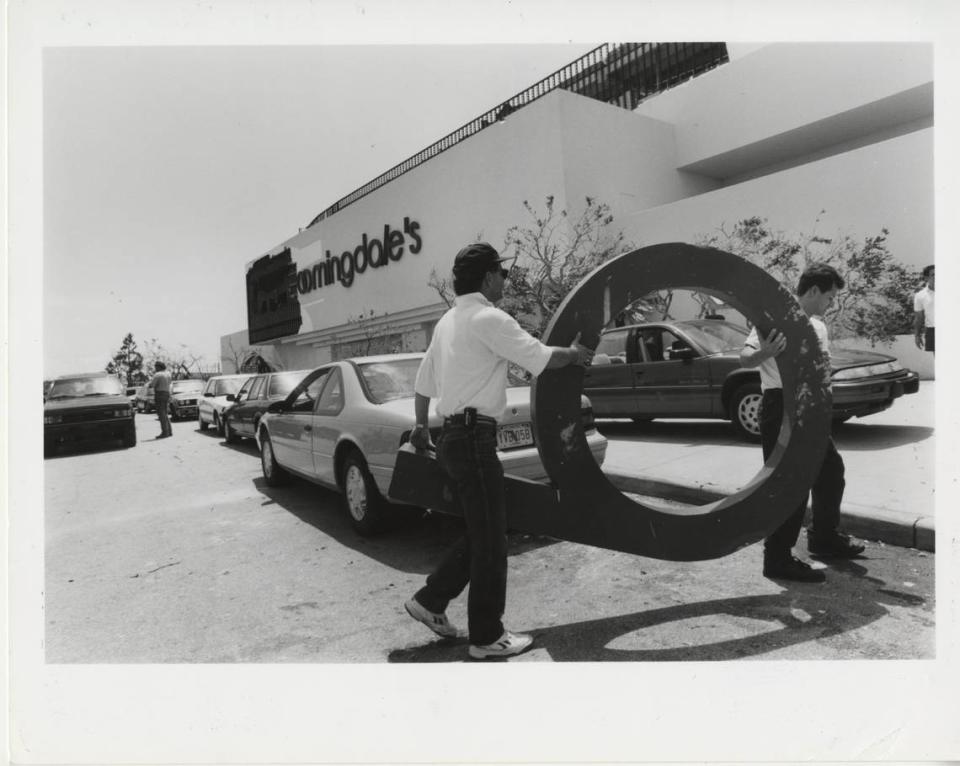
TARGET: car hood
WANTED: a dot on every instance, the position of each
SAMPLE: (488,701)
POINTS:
(185,395)
(840,358)
(76,402)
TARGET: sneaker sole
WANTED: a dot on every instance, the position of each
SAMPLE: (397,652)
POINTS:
(479,654)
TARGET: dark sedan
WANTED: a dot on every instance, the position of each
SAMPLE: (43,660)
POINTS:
(691,369)
(242,418)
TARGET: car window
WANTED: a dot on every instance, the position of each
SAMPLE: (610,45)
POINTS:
(613,343)
(672,344)
(100,385)
(245,388)
(228,386)
(386,381)
(257,388)
(282,383)
(185,386)
(308,390)
(331,400)
(716,336)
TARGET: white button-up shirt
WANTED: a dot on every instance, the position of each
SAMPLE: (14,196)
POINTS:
(466,363)
(769,374)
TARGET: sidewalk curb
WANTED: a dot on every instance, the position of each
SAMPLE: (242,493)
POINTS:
(879,524)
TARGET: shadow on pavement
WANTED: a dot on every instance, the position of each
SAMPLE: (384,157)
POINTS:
(799,614)
(414,541)
(864,436)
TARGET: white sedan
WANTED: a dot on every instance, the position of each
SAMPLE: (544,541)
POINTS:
(342,427)
(213,400)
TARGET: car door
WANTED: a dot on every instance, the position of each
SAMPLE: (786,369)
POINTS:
(243,418)
(326,430)
(204,407)
(291,431)
(609,382)
(671,386)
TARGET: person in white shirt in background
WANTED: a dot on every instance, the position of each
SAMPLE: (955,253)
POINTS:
(465,369)
(924,322)
(816,290)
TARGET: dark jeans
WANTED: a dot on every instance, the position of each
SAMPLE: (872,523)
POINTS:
(162,399)
(930,338)
(827,488)
(469,457)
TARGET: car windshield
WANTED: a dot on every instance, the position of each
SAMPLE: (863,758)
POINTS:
(714,335)
(228,386)
(102,385)
(183,386)
(283,383)
(390,380)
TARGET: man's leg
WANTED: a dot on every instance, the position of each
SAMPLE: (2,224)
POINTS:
(781,541)
(469,457)
(824,538)
(164,414)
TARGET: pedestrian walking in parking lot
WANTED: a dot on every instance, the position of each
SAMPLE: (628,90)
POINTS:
(465,369)
(816,290)
(924,325)
(161,390)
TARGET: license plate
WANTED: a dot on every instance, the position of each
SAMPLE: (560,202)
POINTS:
(514,435)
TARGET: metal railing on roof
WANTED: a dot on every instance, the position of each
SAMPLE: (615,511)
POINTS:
(622,74)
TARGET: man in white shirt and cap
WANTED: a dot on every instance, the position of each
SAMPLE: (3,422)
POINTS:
(465,370)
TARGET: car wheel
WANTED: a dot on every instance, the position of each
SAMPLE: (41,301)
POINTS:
(745,411)
(203,423)
(273,473)
(217,423)
(363,500)
(130,437)
(171,412)
(229,434)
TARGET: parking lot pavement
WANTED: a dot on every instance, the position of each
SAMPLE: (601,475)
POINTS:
(889,465)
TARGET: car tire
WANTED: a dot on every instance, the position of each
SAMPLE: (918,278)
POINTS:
(130,437)
(363,501)
(204,425)
(273,473)
(745,411)
(229,434)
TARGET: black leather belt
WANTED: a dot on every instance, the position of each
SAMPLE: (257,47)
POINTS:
(469,418)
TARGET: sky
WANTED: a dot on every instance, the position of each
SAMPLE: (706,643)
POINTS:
(167,169)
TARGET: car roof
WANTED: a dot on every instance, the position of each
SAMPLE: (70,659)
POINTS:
(231,376)
(384,358)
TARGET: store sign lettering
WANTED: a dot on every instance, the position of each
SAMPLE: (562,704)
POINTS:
(371,253)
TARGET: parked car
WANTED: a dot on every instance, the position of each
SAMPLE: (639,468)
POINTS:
(183,398)
(691,369)
(140,401)
(148,400)
(131,393)
(249,403)
(86,407)
(213,399)
(342,425)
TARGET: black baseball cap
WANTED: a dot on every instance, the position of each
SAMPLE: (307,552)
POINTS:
(477,259)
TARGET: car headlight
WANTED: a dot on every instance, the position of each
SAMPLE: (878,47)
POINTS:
(854,373)
(121,413)
(52,420)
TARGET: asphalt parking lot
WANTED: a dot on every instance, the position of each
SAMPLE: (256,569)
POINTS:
(176,551)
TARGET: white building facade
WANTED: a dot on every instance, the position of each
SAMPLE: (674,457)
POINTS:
(831,137)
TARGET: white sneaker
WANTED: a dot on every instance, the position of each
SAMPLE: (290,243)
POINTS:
(507,645)
(438,623)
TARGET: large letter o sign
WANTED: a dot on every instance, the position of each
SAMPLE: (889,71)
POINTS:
(590,509)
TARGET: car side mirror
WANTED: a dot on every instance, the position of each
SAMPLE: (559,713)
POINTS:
(276,407)
(231,397)
(684,354)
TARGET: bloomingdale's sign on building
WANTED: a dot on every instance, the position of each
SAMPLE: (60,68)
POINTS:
(274,284)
